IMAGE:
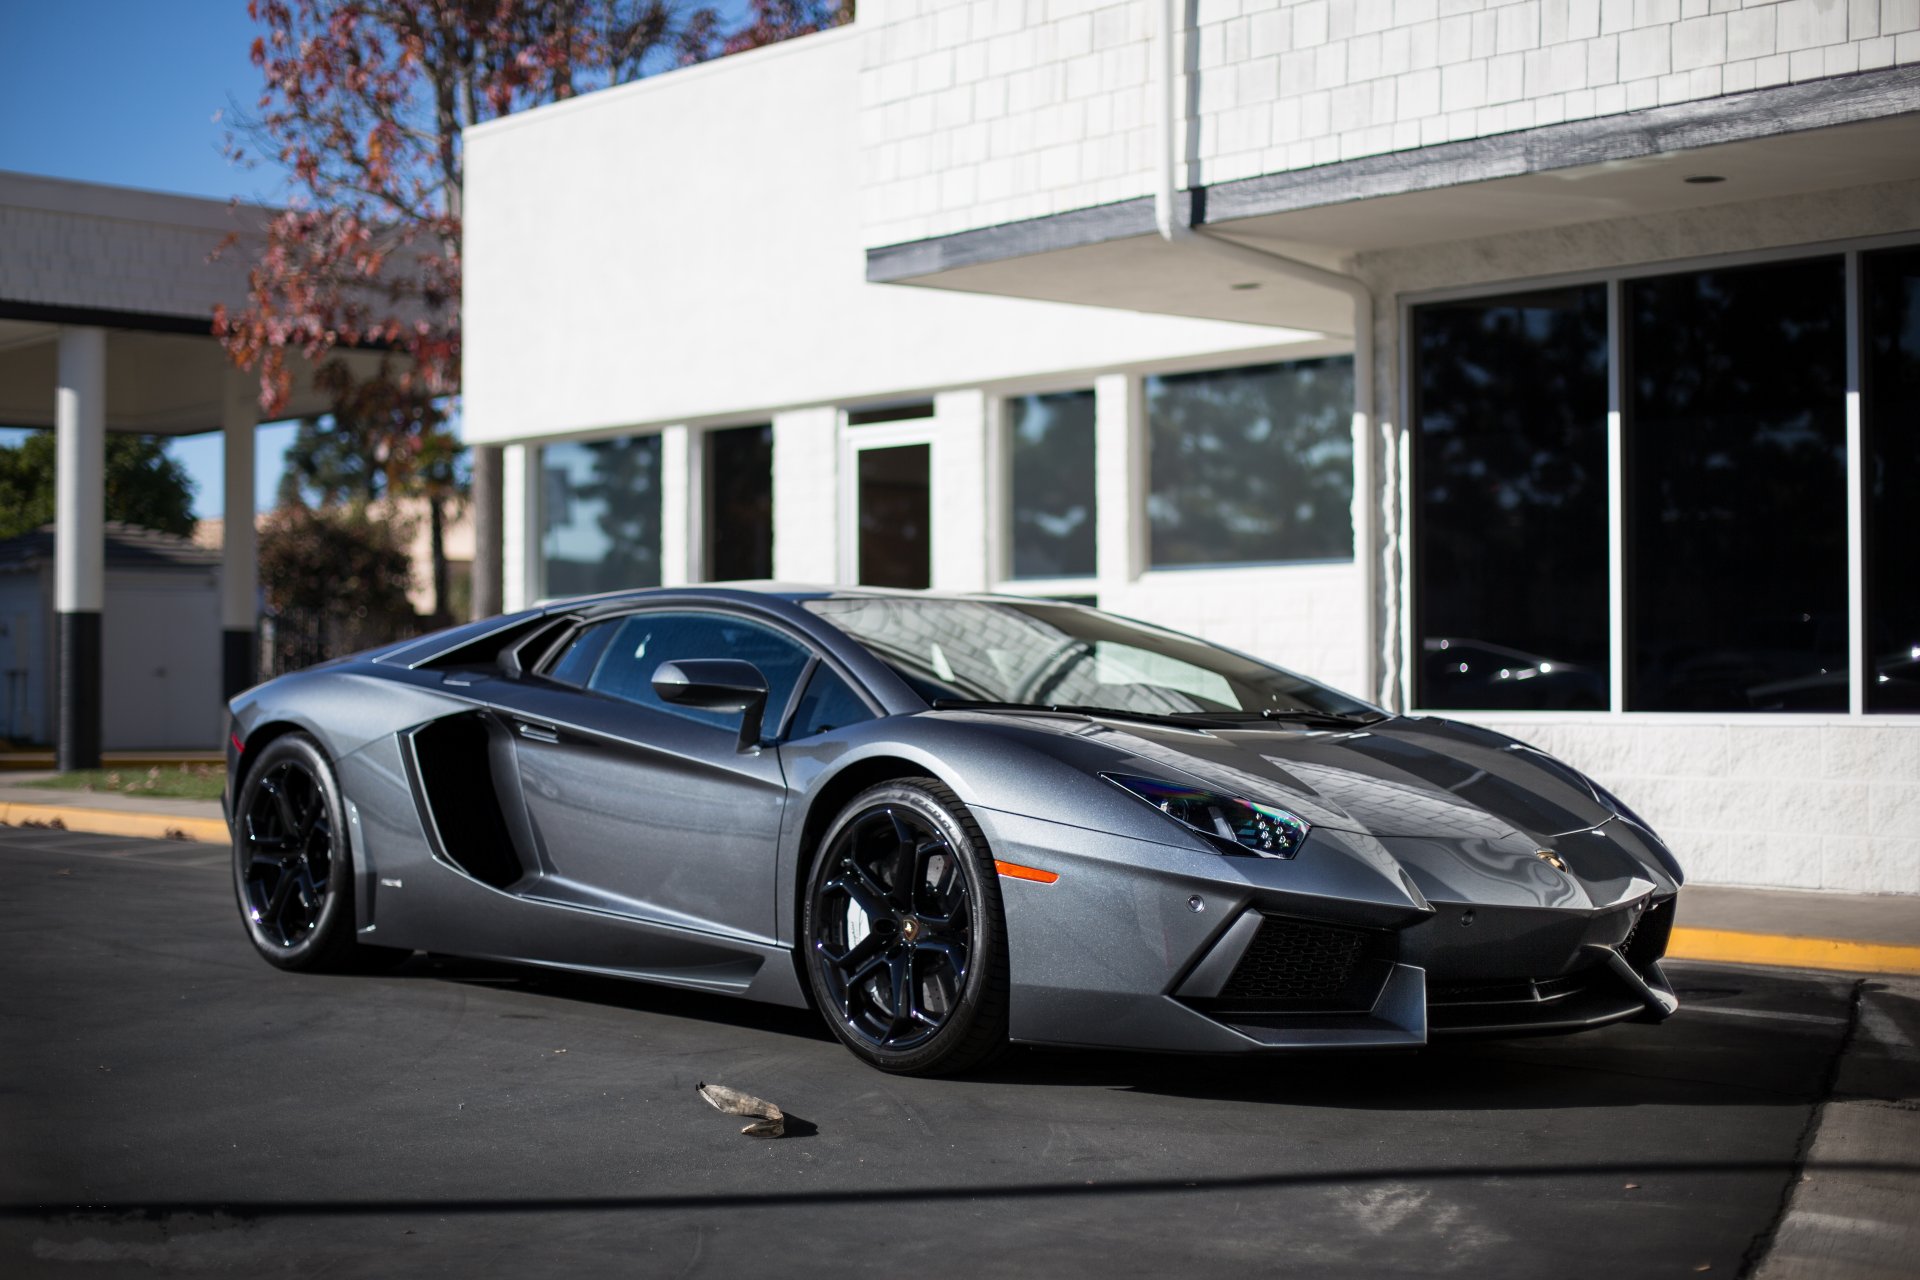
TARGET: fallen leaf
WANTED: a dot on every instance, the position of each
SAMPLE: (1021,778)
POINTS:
(770,1121)
(1633,1186)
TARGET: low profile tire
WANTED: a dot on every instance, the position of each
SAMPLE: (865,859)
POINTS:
(292,871)
(903,934)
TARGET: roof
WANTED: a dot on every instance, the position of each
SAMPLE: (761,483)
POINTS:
(128,546)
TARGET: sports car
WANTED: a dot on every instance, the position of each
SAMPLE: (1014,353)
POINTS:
(948,822)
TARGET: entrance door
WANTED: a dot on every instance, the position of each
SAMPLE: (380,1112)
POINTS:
(895,528)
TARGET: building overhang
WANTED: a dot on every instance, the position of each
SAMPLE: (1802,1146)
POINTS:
(1819,135)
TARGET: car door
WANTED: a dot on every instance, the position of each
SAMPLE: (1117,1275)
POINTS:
(640,807)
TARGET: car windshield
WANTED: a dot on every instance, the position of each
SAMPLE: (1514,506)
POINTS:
(1037,654)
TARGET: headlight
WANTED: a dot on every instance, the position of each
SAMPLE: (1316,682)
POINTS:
(1254,828)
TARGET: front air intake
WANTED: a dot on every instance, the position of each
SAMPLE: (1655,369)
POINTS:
(1304,966)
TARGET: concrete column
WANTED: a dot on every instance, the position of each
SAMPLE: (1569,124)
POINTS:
(79,555)
(519,526)
(960,491)
(239,547)
(487,531)
(677,553)
(806,495)
(1120,483)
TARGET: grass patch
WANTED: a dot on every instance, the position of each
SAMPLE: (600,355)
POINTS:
(180,782)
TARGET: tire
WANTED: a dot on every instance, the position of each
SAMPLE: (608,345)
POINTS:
(292,868)
(903,934)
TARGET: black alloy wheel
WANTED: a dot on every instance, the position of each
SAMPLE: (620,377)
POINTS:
(292,868)
(903,930)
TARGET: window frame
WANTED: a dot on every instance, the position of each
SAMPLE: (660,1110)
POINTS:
(1403,534)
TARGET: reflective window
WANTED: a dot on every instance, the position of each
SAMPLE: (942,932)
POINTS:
(829,703)
(1053,484)
(575,665)
(1890,281)
(600,515)
(1736,489)
(1251,465)
(739,516)
(642,641)
(1510,498)
(896,517)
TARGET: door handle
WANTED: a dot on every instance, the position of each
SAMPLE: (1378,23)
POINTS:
(537,732)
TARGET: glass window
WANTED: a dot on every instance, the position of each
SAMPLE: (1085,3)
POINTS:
(896,517)
(642,641)
(739,478)
(1736,489)
(829,703)
(600,515)
(1252,465)
(1510,500)
(1890,284)
(1057,655)
(1053,485)
(575,665)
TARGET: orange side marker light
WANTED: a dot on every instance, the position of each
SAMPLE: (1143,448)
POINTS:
(1014,871)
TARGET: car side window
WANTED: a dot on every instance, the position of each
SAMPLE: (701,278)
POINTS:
(640,642)
(828,703)
(582,654)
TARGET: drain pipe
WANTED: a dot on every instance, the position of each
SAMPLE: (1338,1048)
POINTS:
(1175,230)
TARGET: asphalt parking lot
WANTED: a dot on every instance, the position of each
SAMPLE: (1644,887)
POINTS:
(171,1105)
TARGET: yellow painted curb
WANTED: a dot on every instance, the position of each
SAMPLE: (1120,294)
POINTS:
(116,822)
(1787,952)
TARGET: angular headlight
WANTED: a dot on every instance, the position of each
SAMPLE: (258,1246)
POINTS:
(1255,828)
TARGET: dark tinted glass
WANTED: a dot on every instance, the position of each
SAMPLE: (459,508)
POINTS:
(600,515)
(739,474)
(1736,489)
(1051,654)
(896,517)
(575,666)
(828,703)
(1053,487)
(1510,501)
(1891,284)
(1252,465)
(645,640)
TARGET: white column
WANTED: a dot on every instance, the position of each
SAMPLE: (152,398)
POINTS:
(79,541)
(960,491)
(1120,483)
(239,547)
(676,507)
(80,458)
(806,495)
(519,527)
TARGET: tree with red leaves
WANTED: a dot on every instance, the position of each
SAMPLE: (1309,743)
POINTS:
(363,104)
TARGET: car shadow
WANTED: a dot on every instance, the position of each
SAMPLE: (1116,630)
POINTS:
(1758,1058)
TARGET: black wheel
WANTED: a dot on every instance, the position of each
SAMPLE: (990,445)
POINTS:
(292,872)
(903,934)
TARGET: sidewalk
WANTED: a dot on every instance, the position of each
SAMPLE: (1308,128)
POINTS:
(1782,928)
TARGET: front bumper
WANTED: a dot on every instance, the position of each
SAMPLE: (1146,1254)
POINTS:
(1149,946)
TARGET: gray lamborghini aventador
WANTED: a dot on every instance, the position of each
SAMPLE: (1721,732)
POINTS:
(948,822)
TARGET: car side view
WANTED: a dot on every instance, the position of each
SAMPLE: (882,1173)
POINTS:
(948,822)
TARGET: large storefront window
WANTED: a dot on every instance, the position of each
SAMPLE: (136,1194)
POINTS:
(1251,466)
(1510,490)
(1053,485)
(739,515)
(600,515)
(1737,489)
(1890,284)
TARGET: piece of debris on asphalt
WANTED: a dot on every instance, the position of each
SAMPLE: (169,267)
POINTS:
(769,1120)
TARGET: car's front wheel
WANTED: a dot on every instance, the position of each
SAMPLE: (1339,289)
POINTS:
(904,938)
(292,871)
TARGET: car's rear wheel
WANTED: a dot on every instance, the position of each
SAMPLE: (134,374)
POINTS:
(903,932)
(292,871)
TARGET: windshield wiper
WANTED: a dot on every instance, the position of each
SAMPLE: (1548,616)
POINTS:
(1300,715)
(1076,709)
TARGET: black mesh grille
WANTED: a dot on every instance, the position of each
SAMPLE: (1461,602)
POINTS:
(1296,964)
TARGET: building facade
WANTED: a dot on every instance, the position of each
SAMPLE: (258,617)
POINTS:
(1552,364)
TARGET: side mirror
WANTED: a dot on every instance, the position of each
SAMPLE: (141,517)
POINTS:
(716,684)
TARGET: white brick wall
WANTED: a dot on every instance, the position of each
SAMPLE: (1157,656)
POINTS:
(979,112)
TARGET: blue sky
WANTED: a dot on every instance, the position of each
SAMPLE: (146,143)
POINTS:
(126,92)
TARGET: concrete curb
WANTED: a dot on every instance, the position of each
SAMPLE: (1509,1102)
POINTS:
(1784,951)
(114,822)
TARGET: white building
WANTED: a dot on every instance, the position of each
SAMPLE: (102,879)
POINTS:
(1553,364)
